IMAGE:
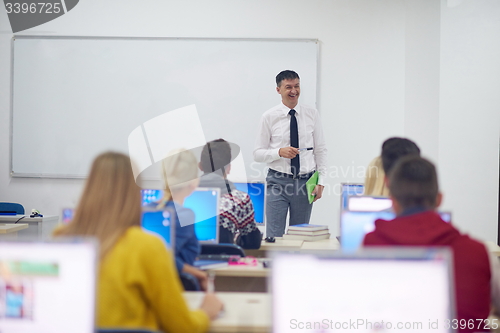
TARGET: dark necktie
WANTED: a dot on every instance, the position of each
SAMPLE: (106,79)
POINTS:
(294,142)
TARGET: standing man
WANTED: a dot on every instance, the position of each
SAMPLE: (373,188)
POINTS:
(291,142)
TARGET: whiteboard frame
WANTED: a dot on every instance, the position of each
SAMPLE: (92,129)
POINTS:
(61,176)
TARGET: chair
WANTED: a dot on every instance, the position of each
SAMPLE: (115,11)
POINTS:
(11,208)
(223,249)
(189,282)
(125,330)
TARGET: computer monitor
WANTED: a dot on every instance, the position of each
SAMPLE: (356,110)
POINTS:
(67,215)
(355,225)
(159,222)
(204,202)
(382,291)
(257,193)
(349,190)
(48,287)
(368,203)
(150,196)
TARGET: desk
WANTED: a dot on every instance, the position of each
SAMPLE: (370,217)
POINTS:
(38,227)
(9,231)
(331,244)
(241,278)
(280,245)
(243,312)
(493,248)
(298,246)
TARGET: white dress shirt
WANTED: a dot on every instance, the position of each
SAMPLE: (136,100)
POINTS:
(274,133)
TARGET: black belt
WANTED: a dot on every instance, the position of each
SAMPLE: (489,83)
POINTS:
(278,174)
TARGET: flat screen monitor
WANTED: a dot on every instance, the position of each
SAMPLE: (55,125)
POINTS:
(67,215)
(204,202)
(349,190)
(368,203)
(48,287)
(363,294)
(150,196)
(257,193)
(355,225)
(159,222)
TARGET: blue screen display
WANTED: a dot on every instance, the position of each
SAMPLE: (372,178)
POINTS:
(350,189)
(150,196)
(204,203)
(159,223)
(355,225)
(257,194)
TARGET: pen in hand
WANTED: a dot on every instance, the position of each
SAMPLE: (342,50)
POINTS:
(309,148)
(210,284)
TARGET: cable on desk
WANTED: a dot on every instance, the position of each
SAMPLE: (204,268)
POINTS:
(20,219)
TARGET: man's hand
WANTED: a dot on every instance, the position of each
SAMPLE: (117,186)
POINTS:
(288,152)
(317,192)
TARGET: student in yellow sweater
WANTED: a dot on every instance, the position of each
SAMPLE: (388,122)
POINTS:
(138,284)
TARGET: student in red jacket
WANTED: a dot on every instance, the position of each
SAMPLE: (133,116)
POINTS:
(413,187)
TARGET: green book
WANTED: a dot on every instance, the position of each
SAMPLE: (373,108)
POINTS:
(310,185)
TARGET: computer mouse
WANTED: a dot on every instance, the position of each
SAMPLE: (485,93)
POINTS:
(270,239)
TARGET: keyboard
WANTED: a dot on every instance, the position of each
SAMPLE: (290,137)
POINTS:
(219,257)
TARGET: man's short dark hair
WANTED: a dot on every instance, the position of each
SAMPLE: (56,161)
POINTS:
(395,148)
(413,182)
(215,155)
(286,75)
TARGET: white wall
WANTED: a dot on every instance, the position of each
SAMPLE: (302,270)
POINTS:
(469,124)
(368,86)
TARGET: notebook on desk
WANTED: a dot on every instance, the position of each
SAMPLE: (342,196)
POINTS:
(369,292)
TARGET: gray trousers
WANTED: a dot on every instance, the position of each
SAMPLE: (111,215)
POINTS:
(285,194)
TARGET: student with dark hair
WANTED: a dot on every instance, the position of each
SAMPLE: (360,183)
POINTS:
(395,148)
(413,187)
(290,140)
(237,223)
(392,150)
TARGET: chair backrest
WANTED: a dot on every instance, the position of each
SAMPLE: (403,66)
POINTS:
(11,207)
(222,248)
(189,282)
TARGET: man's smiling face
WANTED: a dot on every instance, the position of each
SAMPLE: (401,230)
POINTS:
(289,91)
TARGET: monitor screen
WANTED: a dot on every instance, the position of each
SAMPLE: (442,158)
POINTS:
(48,287)
(348,190)
(204,202)
(368,204)
(361,294)
(257,193)
(67,215)
(159,221)
(150,196)
(355,225)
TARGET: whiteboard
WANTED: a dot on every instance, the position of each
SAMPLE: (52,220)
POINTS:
(75,97)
